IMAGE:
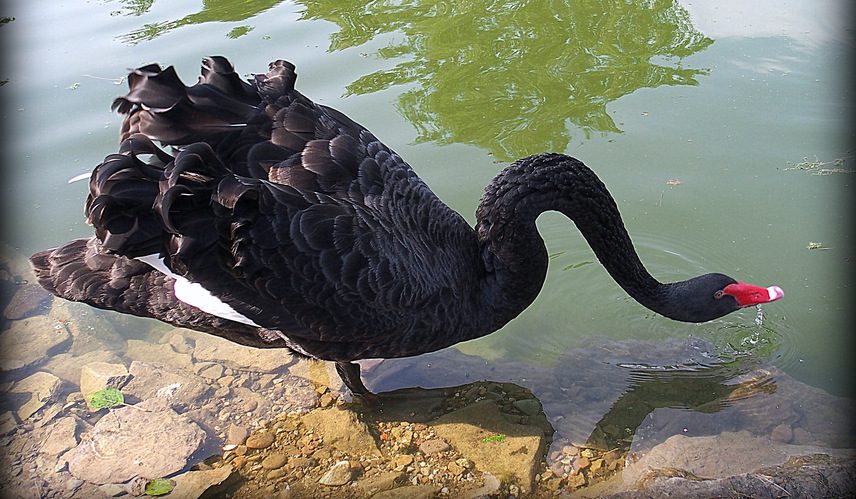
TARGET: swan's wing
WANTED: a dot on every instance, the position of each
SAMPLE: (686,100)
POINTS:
(326,271)
(262,129)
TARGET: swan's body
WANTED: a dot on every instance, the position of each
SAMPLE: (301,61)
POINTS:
(282,223)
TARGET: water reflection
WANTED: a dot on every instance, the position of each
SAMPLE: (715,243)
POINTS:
(212,11)
(511,77)
(514,78)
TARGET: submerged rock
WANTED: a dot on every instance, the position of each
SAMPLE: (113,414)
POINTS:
(128,442)
(38,390)
(234,356)
(97,376)
(180,388)
(31,341)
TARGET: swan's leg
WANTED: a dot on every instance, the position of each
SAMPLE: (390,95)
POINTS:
(350,374)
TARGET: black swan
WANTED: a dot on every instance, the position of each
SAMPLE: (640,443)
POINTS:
(274,221)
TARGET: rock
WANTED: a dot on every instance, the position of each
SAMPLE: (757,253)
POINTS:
(384,481)
(38,389)
(782,434)
(530,407)
(277,473)
(409,492)
(518,455)
(111,489)
(87,326)
(343,431)
(401,461)
(162,354)
(62,437)
(31,341)
(234,356)
(209,370)
(178,341)
(260,440)
(97,376)
(236,434)
(807,476)
(338,475)
(26,301)
(717,456)
(193,484)
(326,400)
(455,468)
(129,442)
(490,487)
(274,461)
(179,388)
(67,366)
(433,446)
(7,422)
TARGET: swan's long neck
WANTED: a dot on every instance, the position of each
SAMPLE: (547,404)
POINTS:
(514,251)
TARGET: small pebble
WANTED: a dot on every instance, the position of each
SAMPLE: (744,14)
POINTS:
(339,474)
(274,461)
(433,446)
(260,440)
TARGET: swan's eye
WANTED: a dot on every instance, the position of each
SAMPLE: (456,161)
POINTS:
(718,294)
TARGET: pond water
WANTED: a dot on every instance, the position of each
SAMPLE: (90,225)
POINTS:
(719,127)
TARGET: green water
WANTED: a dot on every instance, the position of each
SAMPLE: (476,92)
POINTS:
(726,99)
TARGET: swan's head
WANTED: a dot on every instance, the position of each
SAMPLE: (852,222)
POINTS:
(711,296)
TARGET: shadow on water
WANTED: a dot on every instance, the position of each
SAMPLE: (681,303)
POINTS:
(514,78)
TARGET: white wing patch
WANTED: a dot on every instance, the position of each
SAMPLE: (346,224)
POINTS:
(193,294)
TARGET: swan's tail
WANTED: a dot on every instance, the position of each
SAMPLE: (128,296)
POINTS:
(83,270)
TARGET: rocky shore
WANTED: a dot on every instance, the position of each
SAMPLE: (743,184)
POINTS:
(221,420)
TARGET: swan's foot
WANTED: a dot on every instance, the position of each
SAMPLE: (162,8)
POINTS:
(350,374)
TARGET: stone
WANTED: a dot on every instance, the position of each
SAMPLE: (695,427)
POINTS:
(260,440)
(194,484)
(236,434)
(88,327)
(38,389)
(782,433)
(455,468)
(179,388)
(277,473)
(401,461)
(530,407)
(143,351)
(31,341)
(111,489)
(129,442)
(433,446)
(234,356)
(209,370)
(385,481)
(717,456)
(338,475)
(67,367)
(97,376)
(326,400)
(342,431)
(274,461)
(28,299)
(62,437)
(7,422)
(409,492)
(517,456)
